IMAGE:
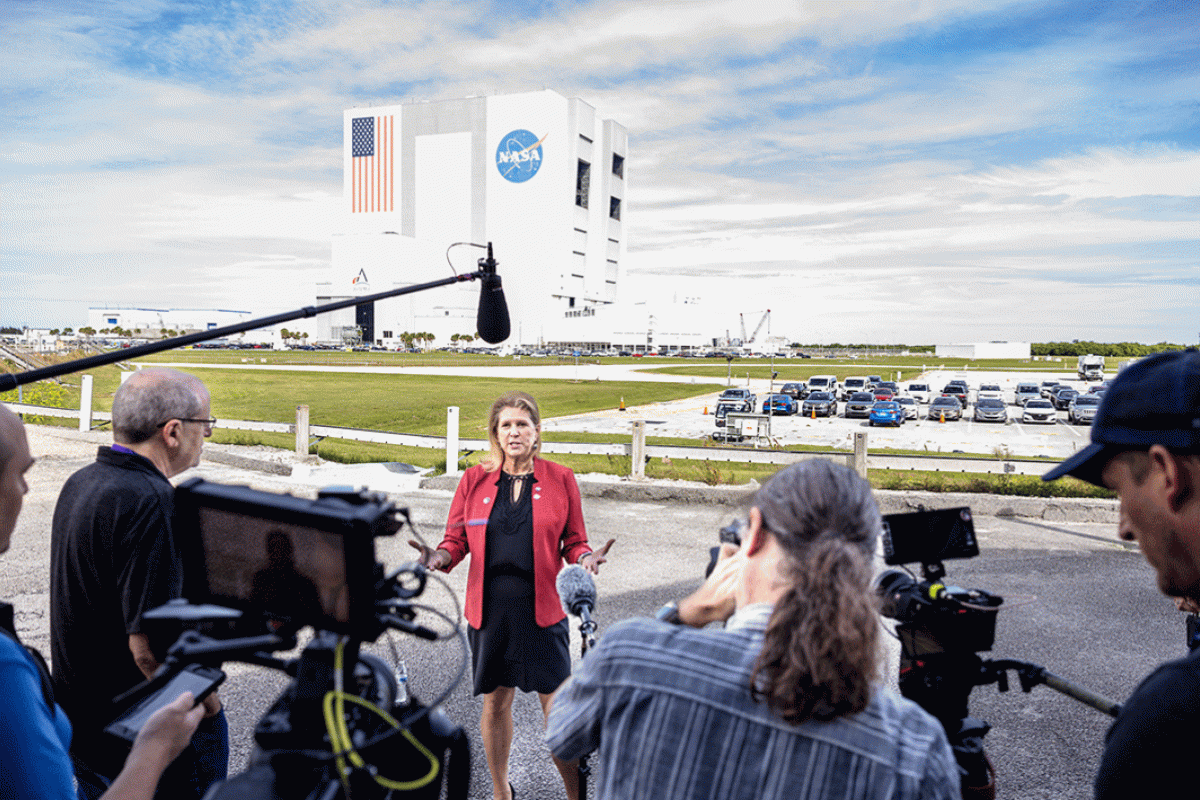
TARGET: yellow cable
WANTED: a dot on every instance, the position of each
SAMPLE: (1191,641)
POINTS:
(333,708)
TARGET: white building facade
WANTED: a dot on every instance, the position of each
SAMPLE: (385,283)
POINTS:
(985,350)
(540,176)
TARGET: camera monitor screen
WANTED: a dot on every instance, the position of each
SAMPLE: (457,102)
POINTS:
(289,569)
(929,536)
(310,561)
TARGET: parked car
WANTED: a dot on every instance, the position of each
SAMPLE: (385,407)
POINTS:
(859,405)
(821,404)
(1062,396)
(1039,411)
(989,390)
(852,385)
(883,393)
(1083,409)
(794,390)
(919,392)
(822,383)
(1046,388)
(990,409)
(946,406)
(888,385)
(1026,391)
(723,408)
(886,412)
(958,392)
(911,409)
(779,403)
(744,399)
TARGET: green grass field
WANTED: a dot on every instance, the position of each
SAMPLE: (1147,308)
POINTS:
(417,404)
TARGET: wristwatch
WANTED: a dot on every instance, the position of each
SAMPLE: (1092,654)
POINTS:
(669,614)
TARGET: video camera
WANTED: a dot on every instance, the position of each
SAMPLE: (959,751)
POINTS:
(258,568)
(942,629)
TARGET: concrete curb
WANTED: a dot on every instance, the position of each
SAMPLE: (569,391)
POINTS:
(1050,509)
(1055,509)
(242,462)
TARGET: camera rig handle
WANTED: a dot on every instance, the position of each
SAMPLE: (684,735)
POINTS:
(1030,675)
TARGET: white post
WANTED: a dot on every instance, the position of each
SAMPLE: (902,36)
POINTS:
(637,453)
(302,432)
(451,440)
(85,403)
(860,453)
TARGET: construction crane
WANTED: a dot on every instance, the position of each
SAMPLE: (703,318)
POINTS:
(748,342)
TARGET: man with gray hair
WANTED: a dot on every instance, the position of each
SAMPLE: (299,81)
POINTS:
(113,557)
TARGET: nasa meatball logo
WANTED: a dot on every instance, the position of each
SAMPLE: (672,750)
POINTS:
(519,155)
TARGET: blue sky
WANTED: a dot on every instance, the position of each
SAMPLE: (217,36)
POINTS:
(916,171)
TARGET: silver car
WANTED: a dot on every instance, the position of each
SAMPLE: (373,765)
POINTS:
(991,409)
(1082,409)
(1026,391)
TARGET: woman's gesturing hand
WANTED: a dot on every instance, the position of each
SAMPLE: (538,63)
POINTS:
(592,561)
(430,558)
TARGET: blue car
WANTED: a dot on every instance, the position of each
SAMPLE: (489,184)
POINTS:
(886,412)
(779,404)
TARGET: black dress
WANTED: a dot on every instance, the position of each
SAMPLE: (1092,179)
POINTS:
(510,648)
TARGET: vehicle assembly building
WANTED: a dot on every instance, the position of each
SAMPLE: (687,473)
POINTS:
(539,175)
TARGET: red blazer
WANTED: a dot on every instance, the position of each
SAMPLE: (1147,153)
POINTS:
(558,534)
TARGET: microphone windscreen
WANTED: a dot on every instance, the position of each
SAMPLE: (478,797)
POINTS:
(576,589)
(492,320)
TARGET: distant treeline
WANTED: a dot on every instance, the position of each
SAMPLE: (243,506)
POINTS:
(1119,349)
(1076,348)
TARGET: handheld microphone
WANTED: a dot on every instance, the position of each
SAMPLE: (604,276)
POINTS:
(577,592)
(492,319)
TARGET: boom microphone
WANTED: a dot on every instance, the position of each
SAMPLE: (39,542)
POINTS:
(492,320)
(577,591)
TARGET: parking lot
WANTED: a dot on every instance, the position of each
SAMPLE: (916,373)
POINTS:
(693,418)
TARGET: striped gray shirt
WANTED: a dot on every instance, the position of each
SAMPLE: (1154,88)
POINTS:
(669,709)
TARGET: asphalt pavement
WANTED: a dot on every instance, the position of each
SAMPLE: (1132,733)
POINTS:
(1077,601)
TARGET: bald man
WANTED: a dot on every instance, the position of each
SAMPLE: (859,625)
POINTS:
(113,557)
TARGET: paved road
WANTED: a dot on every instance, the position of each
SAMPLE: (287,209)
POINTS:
(1078,602)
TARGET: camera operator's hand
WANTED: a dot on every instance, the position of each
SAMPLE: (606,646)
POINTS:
(430,558)
(212,705)
(1187,604)
(161,739)
(714,600)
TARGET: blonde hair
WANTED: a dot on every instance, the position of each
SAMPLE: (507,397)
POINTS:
(518,400)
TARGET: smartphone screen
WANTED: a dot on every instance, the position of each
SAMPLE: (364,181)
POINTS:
(200,681)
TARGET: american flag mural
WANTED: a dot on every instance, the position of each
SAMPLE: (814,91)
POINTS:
(372,162)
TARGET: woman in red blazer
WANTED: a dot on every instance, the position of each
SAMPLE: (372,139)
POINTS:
(521,518)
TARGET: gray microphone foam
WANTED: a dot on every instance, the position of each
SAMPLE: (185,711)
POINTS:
(576,589)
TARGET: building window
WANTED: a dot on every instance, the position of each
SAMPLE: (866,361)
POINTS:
(570,302)
(614,207)
(583,179)
(387,334)
(618,165)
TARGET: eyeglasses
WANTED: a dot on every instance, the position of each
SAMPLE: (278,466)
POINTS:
(211,422)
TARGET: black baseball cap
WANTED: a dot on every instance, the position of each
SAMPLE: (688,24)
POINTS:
(1153,401)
